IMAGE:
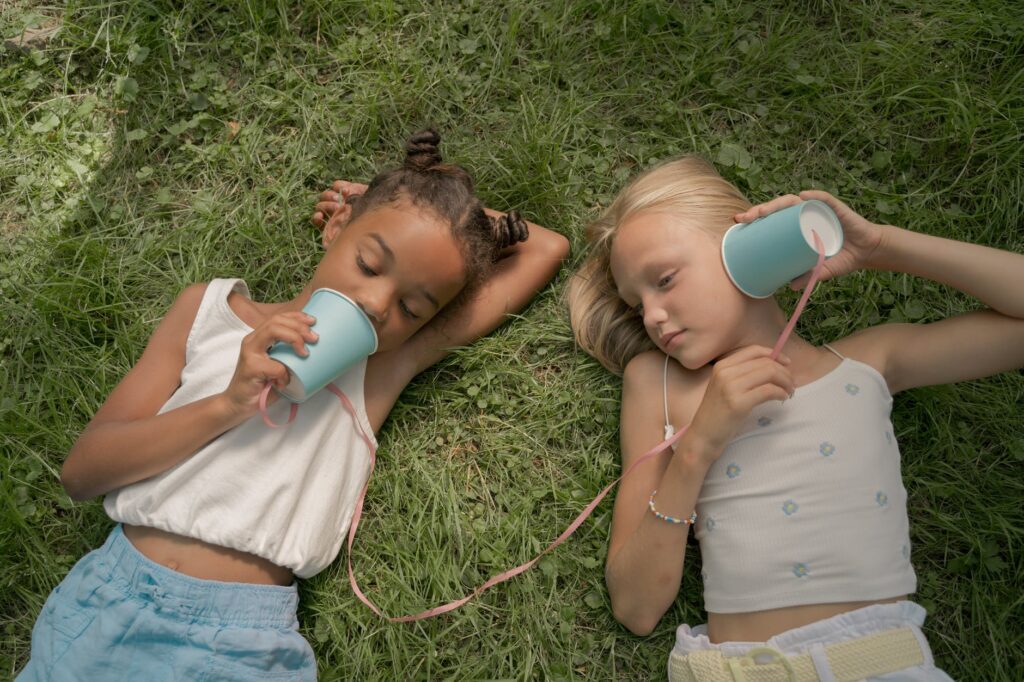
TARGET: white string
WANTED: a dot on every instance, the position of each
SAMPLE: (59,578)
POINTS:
(669,429)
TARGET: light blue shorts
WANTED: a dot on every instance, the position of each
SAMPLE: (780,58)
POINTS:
(119,616)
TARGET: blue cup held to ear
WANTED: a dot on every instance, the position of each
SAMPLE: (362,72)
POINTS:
(765,254)
(346,337)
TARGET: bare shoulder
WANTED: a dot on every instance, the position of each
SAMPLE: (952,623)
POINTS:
(872,345)
(191,296)
(968,346)
(157,373)
(644,368)
(168,340)
(182,313)
(387,375)
(644,384)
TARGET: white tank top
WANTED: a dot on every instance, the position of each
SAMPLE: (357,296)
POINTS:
(285,494)
(806,505)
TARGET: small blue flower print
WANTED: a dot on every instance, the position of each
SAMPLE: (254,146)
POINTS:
(704,576)
(827,449)
(906,551)
(888,438)
(881,498)
(709,524)
(789,507)
(764,421)
(801,570)
(852,389)
(732,471)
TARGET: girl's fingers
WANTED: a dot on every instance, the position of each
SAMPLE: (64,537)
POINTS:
(283,334)
(328,208)
(355,188)
(766,372)
(348,189)
(323,210)
(297,323)
(288,328)
(748,353)
(267,369)
(766,392)
(764,209)
(846,215)
(833,203)
(294,317)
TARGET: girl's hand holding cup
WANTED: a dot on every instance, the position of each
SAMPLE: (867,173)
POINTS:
(861,237)
(335,199)
(739,382)
(255,367)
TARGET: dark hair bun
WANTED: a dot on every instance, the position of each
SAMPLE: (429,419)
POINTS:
(421,150)
(509,229)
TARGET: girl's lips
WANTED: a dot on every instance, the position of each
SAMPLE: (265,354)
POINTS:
(669,339)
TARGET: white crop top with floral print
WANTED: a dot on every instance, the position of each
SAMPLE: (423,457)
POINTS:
(806,505)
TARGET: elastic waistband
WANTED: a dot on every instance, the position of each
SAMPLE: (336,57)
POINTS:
(866,657)
(213,601)
(850,625)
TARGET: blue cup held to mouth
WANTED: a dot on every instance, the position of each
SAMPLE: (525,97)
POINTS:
(346,337)
(765,254)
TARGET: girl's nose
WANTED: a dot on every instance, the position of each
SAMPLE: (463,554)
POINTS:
(654,314)
(374,302)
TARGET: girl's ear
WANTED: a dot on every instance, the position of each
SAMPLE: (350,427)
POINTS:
(330,233)
(336,224)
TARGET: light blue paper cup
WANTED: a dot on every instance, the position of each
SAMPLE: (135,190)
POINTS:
(346,337)
(762,255)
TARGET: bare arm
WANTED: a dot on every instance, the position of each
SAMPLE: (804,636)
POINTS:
(968,346)
(645,555)
(126,441)
(521,272)
(960,348)
(994,277)
(523,269)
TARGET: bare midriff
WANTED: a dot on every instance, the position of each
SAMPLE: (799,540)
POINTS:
(762,625)
(202,560)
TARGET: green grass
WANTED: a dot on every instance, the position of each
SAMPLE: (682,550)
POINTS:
(120,182)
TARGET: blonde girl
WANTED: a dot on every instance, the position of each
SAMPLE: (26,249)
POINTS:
(216,513)
(788,470)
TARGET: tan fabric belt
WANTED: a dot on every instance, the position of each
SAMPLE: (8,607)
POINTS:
(855,659)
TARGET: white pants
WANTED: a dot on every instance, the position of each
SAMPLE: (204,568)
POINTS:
(811,639)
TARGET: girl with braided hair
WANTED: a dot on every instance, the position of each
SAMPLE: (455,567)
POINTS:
(217,514)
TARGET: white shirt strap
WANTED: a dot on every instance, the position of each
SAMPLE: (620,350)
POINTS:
(841,356)
(669,429)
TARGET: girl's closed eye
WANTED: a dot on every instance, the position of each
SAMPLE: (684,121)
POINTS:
(407,311)
(666,280)
(367,270)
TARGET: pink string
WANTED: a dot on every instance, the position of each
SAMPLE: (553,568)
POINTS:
(500,577)
(266,415)
(577,522)
(815,274)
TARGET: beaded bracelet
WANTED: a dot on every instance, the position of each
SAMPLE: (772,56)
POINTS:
(689,522)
